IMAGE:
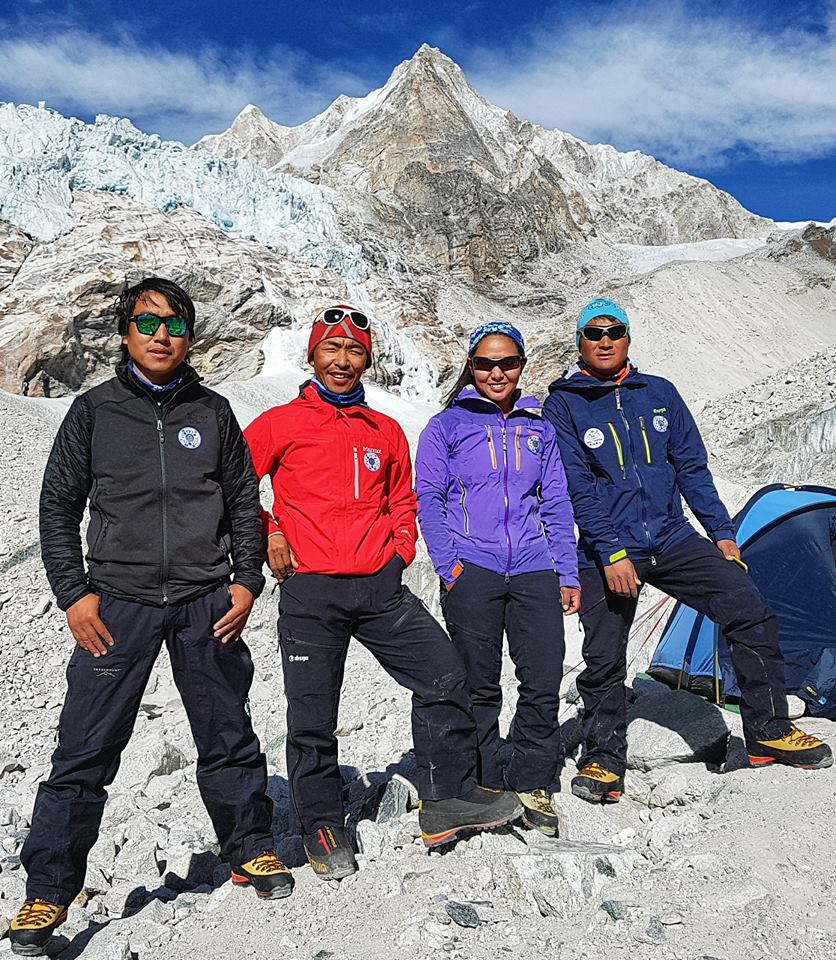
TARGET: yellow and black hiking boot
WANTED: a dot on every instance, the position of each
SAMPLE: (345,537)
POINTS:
(330,853)
(596,784)
(480,809)
(34,924)
(796,749)
(538,812)
(266,874)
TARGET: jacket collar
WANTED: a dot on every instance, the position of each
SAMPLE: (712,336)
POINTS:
(470,399)
(188,376)
(576,379)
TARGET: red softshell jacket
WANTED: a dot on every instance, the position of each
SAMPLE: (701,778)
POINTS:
(342,484)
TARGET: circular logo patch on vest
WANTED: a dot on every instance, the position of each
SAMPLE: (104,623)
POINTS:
(534,443)
(190,438)
(660,424)
(371,461)
(593,438)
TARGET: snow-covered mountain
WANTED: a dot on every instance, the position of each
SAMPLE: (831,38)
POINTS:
(430,147)
(421,202)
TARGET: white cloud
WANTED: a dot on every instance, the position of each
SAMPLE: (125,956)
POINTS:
(176,94)
(656,77)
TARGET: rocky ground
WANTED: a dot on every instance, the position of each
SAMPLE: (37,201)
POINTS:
(704,858)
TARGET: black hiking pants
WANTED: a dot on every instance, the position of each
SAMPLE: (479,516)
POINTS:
(478,610)
(318,614)
(100,709)
(696,573)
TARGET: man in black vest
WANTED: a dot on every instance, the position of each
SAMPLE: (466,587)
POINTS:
(174,514)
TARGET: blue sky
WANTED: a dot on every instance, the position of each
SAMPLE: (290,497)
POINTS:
(741,93)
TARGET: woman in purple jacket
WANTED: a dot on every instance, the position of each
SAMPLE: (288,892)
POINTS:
(496,517)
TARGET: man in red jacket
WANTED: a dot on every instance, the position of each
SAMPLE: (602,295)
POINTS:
(341,534)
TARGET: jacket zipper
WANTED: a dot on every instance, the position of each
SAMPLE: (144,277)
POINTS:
(164,506)
(646,441)
(491,446)
(356,475)
(517,446)
(635,469)
(505,483)
(464,508)
(618,448)
(160,413)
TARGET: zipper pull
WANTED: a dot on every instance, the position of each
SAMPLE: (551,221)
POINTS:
(618,398)
(504,440)
(653,561)
(507,578)
(160,430)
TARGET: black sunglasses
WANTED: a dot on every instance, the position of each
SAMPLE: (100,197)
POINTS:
(486,364)
(616,332)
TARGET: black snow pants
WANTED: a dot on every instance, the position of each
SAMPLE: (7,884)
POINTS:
(318,614)
(478,610)
(696,573)
(100,709)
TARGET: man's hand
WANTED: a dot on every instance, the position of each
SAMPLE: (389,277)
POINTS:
(621,578)
(87,627)
(571,597)
(729,549)
(280,558)
(231,625)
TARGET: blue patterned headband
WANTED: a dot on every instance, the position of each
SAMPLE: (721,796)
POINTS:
(495,326)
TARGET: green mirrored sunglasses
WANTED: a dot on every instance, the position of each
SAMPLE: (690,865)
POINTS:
(149,323)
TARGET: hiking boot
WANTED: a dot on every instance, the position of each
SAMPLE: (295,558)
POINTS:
(266,874)
(34,924)
(480,809)
(596,784)
(538,812)
(330,853)
(795,749)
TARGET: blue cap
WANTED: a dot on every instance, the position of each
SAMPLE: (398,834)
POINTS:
(495,326)
(600,307)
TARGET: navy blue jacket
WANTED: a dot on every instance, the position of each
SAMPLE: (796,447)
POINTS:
(631,451)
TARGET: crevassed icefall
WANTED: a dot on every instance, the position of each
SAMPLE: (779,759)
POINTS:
(44,157)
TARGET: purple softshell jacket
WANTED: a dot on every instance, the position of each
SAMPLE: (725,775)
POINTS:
(492,491)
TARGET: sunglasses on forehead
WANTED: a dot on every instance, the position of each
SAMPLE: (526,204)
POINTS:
(149,323)
(336,315)
(616,332)
(486,364)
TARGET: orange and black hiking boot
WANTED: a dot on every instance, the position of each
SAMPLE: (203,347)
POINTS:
(796,749)
(330,853)
(596,784)
(266,874)
(480,809)
(34,924)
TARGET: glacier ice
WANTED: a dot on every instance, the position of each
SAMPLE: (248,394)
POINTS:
(45,156)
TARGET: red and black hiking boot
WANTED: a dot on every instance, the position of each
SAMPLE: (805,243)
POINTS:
(266,874)
(34,924)
(596,784)
(330,853)
(796,749)
(480,809)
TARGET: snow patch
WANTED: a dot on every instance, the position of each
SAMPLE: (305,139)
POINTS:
(645,258)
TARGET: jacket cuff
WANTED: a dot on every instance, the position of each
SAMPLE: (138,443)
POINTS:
(569,580)
(66,600)
(253,583)
(612,553)
(724,535)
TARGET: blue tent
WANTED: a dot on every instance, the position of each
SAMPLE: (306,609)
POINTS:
(787,536)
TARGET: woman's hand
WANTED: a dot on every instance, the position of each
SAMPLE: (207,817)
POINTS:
(571,597)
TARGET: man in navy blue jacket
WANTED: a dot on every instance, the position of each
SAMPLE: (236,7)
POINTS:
(632,451)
